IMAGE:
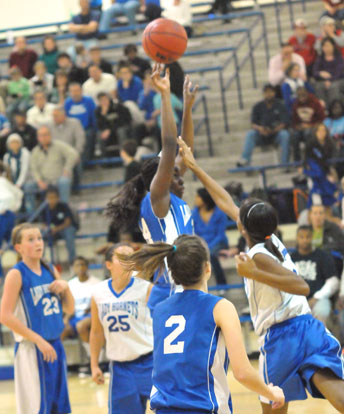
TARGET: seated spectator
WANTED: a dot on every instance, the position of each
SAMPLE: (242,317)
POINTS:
(334,9)
(10,202)
(18,92)
(292,82)
(303,43)
(319,149)
(180,11)
(82,59)
(52,163)
(269,121)
(129,86)
(210,224)
(328,72)
(60,92)
(85,25)
(114,124)
(5,128)
(17,158)
(81,286)
(58,219)
(307,112)
(177,105)
(97,59)
(27,132)
(75,74)
(151,9)
(127,153)
(138,64)
(50,54)
(42,80)
(335,121)
(177,77)
(42,111)
(329,29)
(317,267)
(326,235)
(23,58)
(119,7)
(99,82)
(83,108)
(280,62)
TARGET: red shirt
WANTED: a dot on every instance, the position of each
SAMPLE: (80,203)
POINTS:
(311,112)
(24,61)
(305,48)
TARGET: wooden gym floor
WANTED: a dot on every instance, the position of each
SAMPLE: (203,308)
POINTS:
(89,398)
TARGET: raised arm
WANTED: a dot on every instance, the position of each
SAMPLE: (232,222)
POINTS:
(187,121)
(220,196)
(160,186)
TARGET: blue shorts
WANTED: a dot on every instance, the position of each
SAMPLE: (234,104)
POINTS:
(41,387)
(75,319)
(293,351)
(130,385)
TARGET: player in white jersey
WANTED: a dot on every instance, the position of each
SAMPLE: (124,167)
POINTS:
(297,352)
(153,199)
(122,320)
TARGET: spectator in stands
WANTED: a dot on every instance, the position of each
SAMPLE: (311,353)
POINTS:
(329,29)
(83,108)
(42,111)
(127,153)
(138,64)
(82,59)
(97,59)
(210,224)
(177,105)
(280,62)
(327,235)
(18,92)
(129,86)
(85,25)
(269,121)
(328,72)
(317,267)
(334,9)
(151,9)
(119,7)
(114,124)
(303,43)
(50,54)
(335,121)
(52,163)
(42,80)
(293,81)
(17,158)
(5,128)
(60,92)
(27,132)
(99,82)
(59,221)
(75,74)
(180,11)
(23,58)
(307,112)
(81,286)
(319,149)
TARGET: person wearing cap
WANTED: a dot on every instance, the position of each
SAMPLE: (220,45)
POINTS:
(329,29)
(17,158)
(334,9)
(303,43)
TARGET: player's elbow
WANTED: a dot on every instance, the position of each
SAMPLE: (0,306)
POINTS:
(301,287)
(241,374)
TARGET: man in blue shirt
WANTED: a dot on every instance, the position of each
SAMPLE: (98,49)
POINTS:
(129,86)
(83,108)
(118,7)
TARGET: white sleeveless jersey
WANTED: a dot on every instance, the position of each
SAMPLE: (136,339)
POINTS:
(126,319)
(269,305)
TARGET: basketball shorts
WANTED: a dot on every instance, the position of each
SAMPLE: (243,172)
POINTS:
(41,387)
(293,351)
(75,319)
(130,385)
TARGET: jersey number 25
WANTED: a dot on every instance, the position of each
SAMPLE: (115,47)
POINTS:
(176,348)
(121,325)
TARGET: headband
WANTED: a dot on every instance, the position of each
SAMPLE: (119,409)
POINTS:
(252,207)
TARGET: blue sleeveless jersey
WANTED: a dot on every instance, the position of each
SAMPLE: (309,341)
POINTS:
(190,360)
(38,308)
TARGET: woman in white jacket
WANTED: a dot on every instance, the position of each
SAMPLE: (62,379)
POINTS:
(17,158)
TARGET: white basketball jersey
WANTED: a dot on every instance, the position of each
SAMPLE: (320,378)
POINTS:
(126,319)
(269,305)
(82,293)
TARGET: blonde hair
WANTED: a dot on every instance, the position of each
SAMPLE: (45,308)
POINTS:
(17,232)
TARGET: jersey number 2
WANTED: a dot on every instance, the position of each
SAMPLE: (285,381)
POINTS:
(123,326)
(50,306)
(177,348)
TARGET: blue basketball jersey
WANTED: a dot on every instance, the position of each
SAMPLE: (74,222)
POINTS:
(38,308)
(190,359)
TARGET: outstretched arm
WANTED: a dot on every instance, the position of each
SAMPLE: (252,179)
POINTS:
(187,121)
(160,186)
(220,196)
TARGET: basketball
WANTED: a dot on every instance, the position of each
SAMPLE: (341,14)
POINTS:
(164,40)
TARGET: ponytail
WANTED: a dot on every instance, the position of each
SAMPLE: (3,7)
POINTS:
(270,247)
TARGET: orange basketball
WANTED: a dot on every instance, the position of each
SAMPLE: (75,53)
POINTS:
(164,40)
